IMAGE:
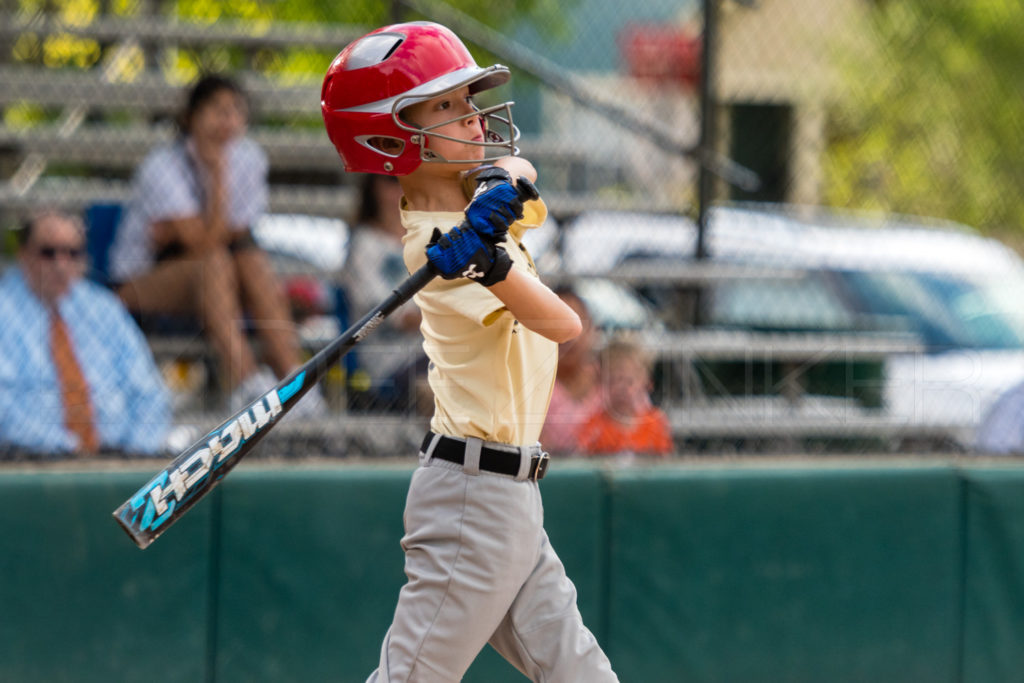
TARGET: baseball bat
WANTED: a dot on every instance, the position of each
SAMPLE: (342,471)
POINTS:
(196,470)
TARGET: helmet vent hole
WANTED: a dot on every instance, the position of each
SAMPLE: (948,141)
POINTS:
(392,50)
(384,144)
(373,50)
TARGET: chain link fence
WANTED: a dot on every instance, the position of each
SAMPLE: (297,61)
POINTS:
(798,210)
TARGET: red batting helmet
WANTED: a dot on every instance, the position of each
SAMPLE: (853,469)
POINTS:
(375,77)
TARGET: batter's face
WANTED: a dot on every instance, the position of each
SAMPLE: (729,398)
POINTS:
(442,115)
(53,259)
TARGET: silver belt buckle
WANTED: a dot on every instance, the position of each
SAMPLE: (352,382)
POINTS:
(542,467)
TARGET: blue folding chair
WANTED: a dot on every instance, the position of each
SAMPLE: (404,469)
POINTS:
(101,221)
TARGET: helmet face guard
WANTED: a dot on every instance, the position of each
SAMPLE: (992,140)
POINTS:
(373,79)
(494,119)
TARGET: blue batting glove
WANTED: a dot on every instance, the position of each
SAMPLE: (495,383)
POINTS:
(462,252)
(495,206)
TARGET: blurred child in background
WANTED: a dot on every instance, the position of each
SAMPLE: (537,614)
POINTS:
(627,421)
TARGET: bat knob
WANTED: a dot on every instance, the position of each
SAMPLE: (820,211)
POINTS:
(527,190)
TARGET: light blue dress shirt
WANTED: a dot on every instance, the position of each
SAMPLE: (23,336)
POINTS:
(131,405)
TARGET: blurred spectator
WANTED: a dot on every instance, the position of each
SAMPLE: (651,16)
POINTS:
(374,267)
(76,374)
(628,422)
(1002,428)
(307,297)
(185,245)
(577,392)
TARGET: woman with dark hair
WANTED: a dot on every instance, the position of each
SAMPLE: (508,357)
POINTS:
(185,244)
(374,265)
(395,370)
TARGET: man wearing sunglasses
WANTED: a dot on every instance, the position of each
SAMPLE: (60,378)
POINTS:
(76,374)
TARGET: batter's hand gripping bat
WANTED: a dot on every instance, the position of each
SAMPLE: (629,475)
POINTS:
(194,472)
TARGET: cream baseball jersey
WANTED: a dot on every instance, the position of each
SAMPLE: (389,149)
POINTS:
(491,376)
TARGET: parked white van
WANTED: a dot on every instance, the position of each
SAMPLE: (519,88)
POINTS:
(787,268)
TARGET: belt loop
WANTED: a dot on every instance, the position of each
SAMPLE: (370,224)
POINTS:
(471,464)
(434,440)
(524,463)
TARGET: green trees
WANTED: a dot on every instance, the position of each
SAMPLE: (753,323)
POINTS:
(255,17)
(930,119)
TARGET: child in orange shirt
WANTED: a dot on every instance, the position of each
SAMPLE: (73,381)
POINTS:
(627,422)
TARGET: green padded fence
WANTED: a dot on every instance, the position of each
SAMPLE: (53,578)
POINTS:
(994,595)
(786,575)
(725,573)
(79,602)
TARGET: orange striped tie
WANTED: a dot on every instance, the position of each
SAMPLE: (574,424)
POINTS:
(74,390)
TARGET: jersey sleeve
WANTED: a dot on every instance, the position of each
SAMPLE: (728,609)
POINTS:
(535,212)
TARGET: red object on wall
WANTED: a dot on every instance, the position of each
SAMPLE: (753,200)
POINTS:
(661,53)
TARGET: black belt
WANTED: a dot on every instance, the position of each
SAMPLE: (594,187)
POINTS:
(491,459)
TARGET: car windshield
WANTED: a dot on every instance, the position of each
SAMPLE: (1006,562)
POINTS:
(805,303)
(948,310)
(949,287)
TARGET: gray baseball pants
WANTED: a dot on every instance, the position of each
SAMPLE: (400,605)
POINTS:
(480,570)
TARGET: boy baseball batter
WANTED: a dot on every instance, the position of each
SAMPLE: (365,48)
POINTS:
(480,569)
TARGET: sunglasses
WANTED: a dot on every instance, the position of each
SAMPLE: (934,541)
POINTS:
(50,253)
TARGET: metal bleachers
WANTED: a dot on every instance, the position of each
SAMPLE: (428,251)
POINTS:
(100,121)
(93,125)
